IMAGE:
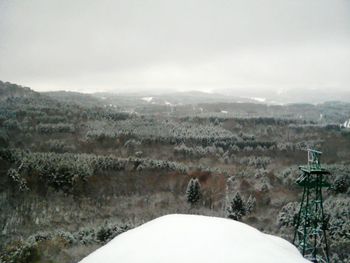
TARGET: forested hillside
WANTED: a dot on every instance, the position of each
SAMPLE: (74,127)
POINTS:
(76,172)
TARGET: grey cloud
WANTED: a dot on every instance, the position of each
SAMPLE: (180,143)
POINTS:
(142,45)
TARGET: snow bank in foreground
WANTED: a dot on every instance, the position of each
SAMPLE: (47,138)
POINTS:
(191,239)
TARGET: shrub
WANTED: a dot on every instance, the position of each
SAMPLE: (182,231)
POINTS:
(55,128)
(108,232)
(59,146)
(20,252)
(341,184)
(18,179)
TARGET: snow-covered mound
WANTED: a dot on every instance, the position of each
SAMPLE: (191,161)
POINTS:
(191,239)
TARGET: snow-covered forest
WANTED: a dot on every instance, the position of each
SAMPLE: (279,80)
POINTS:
(77,170)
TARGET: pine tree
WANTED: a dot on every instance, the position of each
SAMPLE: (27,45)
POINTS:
(193,191)
(250,205)
(236,208)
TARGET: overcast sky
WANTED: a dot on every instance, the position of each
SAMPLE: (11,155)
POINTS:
(246,46)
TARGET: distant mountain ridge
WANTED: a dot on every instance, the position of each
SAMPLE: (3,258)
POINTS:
(8,89)
(71,97)
(18,95)
(188,103)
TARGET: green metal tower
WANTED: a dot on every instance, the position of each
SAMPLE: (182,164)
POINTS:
(311,225)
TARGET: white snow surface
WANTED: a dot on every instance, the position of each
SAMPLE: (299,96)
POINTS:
(259,99)
(347,124)
(192,239)
(148,99)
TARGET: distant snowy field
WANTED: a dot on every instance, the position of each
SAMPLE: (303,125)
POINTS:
(192,239)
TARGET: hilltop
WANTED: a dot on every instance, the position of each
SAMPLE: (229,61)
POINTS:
(191,238)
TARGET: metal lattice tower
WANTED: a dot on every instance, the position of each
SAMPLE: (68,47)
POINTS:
(311,225)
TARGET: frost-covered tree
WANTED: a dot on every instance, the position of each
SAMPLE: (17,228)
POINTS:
(18,179)
(236,208)
(341,184)
(287,217)
(193,191)
(250,205)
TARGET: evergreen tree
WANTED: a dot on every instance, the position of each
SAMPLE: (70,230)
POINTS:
(341,184)
(250,205)
(193,191)
(236,208)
